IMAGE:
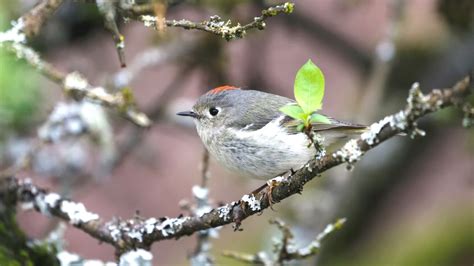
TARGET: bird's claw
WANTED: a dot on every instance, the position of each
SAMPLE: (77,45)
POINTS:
(271,184)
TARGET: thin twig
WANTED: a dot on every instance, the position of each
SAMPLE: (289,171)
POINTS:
(217,26)
(75,85)
(285,249)
(201,254)
(153,57)
(384,55)
(107,8)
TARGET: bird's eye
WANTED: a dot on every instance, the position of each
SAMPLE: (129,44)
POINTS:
(213,111)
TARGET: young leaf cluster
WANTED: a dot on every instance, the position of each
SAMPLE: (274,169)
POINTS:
(309,93)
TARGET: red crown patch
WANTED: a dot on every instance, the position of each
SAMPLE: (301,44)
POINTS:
(221,89)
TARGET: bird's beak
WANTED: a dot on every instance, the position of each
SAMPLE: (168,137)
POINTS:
(188,113)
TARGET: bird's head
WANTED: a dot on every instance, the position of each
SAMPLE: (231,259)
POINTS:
(216,108)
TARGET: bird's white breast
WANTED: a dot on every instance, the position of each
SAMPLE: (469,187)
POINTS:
(263,153)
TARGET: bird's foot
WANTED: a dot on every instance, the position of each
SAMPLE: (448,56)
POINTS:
(271,184)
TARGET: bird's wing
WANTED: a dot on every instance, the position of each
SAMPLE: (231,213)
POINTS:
(334,134)
(259,109)
(255,109)
(335,125)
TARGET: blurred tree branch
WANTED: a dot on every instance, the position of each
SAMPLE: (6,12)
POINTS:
(36,17)
(217,26)
(319,32)
(107,8)
(285,247)
(76,86)
(201,255)
(382,62)
(139,232)
(153,15)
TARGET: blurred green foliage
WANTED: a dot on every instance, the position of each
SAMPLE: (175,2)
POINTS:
(19,91)
(448,239)
(15,247)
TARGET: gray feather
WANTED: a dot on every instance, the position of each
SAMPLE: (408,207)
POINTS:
(252,110)
(247,108)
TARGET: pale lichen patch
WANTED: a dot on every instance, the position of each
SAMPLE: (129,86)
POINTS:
(135,234)
(370,136)
(309,166)
(150,225)
(14,34)
(66,258)
(318,141)
(252,202)
(399,120)
(77,213)
(224,211)
(170,226)
(200,193)
(41,204)
(278,179)
(45,203)
(349,153)
(115,232)
(52,199)
(136,257)
(148,21)
(75,81)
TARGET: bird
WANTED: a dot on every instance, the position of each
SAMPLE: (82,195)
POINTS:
(245,131)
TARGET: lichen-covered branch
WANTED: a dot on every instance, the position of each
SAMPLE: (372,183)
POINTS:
(201,255)
(73,84)
(216,25)
(285,249)
(140,232)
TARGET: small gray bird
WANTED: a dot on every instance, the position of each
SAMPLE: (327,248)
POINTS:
(245,132)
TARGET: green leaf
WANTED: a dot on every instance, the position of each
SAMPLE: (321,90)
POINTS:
(294,111)
(309,87)
(318,118)
(300,127)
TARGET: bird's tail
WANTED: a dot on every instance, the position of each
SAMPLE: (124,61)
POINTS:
(335,137)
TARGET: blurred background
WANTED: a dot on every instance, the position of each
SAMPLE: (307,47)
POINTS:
(408,202)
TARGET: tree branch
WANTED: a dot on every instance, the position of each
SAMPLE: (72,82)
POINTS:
(201,255)
(74,84)
(107,8)
(139,232)
(217,26)
(37,16)
(285,249)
